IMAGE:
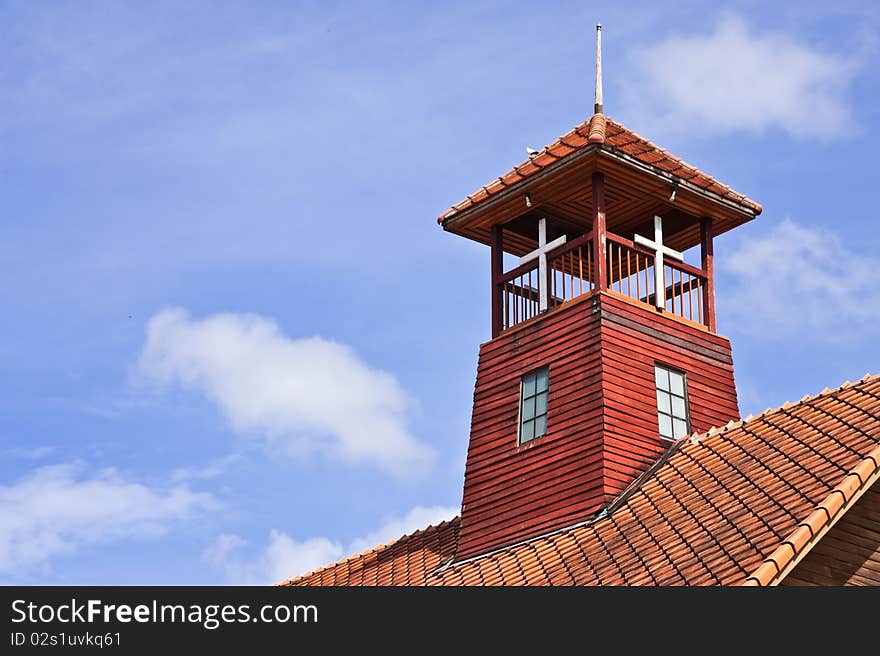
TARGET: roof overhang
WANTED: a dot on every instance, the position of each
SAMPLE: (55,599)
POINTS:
(634,190)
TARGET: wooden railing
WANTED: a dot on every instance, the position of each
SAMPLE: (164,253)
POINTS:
(570,267)
(631,273)
(568,270)
(519,293)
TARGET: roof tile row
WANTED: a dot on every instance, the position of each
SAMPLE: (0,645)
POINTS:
(601,131)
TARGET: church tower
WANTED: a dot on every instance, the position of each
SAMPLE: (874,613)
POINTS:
(604,350)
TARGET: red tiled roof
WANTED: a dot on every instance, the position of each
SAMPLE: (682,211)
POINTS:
(811,530)
(604,132)
(735,505)
(406,561)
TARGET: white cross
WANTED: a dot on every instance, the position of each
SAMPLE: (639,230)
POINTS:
(659,251)
(541,253)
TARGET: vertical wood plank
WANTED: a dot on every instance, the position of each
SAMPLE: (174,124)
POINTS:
(628,275)
(497,257)
(600,274)
(706,259)
(690,297)
(580,270)
(619,269)
(638,277)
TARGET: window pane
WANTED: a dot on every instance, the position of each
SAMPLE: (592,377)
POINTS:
(665,425)
(663,404)
(533,405)
(540,426)
(529,385)
(541,404)
(676,383)
(528,431)
(528,408)
(541,379)
(661,376)
(678,407)
(680,428)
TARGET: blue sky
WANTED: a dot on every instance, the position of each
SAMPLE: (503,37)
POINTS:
(235,344)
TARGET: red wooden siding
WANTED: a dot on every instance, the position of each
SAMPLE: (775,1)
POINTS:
(602,422)
(512,492)
(634,338)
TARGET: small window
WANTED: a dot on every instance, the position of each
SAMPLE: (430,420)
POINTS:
(672,406)
(533,405)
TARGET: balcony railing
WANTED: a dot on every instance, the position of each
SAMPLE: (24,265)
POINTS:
(629,272)
(568,272)
(570,268)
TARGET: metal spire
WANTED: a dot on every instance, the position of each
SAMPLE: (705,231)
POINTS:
(597,107)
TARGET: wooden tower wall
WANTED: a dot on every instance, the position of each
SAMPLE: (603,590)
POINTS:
(602,415)
(514,491)
(634,338)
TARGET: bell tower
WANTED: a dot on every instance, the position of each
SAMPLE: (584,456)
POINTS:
(604,350)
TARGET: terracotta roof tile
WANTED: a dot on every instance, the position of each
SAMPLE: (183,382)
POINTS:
(406,561)
(598,127)
(602,131)
(735,505)
(862,476)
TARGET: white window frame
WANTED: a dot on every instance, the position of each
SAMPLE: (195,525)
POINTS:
(671,414)
(519,418)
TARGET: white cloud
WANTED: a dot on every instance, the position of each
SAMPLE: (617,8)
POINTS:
(740,80)
(274,564)
(222,549)
(286,557)
(302,395)
(417,518)
(213,469)
(798,280)
(57,509)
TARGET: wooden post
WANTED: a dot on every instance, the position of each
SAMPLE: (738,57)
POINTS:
(706,258)
(600,273)
(497,258)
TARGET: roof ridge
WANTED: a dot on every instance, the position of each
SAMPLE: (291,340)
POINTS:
(667,153)
(529,160)
(594,132)
(367,552)
(697,438)
(826,513)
